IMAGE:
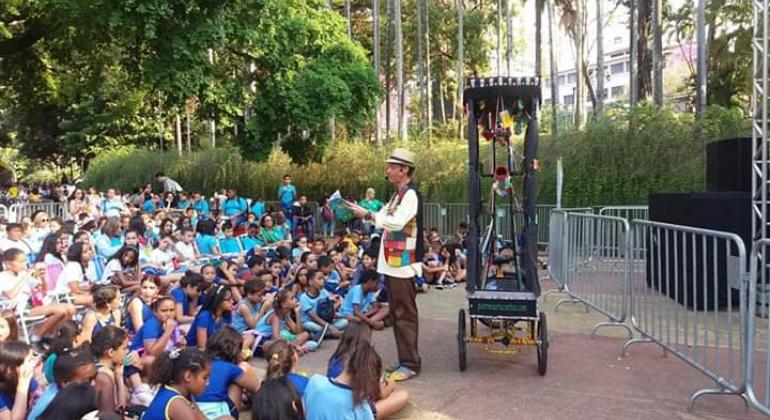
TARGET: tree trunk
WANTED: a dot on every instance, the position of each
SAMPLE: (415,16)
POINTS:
(599,58)
(420,63)
(633,69)
(578,98)
(428,92)
(644,52)
(554,73)
(347,18)
(187,128)
(508,36)
(657,52)
(400,72)
(460,66)
(701,92)
(376,59)
(388,62)
(499,31)
(178,132)
(538,37)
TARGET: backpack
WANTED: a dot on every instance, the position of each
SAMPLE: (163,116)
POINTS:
(325,309)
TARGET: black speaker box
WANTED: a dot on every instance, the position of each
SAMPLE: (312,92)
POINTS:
(695,273)
(728,165)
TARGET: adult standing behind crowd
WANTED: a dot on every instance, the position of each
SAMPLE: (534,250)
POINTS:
(400,257)
(373,205)
(169,185)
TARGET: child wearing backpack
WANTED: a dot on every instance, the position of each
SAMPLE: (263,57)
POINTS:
(317,309)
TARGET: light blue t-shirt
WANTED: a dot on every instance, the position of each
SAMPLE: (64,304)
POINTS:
(112,207)
(249,242)
(202,208)
(258,208)
(327,399)
(287,194)
(229,246)
(206,244)
(309,303)
(356,296)
(233,206)
(43,402)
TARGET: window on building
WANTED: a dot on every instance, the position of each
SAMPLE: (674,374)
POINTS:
(618,68)
(572,78)
(562,80)
(617,39)
(618,91)
(569,100)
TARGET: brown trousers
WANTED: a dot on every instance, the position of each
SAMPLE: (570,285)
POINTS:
(401,299)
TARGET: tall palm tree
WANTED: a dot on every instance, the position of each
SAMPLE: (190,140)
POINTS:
(460,65)
(555,98)
(657,52)
(599,57)
(376,59)
(388,62)
(400,71)
(348,19)
(508,36)
(420,62)
(538,37)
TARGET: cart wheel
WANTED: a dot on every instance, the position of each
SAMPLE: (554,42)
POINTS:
(542,347)
(461,339)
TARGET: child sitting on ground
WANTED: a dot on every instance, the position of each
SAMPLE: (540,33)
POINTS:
(229,244)
(282,360)
(312,320)
(361,302)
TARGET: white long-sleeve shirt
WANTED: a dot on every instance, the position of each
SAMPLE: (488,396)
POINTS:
(406,211)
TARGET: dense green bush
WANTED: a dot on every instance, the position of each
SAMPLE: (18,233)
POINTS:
(350,167)
(629,153)
(618,159)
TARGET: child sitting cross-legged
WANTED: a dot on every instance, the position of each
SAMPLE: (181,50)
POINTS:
(230,378)
(182,375)
(188,297)
(361,302)
(251,308)
(313,319)
(278,324)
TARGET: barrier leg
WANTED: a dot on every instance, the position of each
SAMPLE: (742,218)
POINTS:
(569,299)
(716,391)
(612,324)
(633,341)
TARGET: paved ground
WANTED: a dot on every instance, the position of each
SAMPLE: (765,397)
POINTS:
(585,379)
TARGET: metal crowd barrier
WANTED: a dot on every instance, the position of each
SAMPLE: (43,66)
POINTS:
(757,371)
(557,247)
(629,213)
(687,294)
(53,208)
(596,266)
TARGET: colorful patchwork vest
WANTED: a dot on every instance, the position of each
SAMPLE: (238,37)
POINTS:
(404,247)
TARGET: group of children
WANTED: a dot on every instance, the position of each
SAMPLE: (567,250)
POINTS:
(167,330)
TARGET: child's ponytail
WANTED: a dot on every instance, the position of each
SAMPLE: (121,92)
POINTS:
(365,368)
(171,365)
(280,358)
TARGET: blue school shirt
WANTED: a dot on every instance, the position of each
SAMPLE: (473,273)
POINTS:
(223,374)
(309,303)
(327,399)
(332,281)
(299,382)
(205,320)
(151,330)
(356,296)
(229,246)
(334,368)
(265,328)
(146,314)
(206,244)
(183,204)
(233,206)
(180,297)
(202,208)
(43,402)
(249,242)
(258,208)
(6,401)
(286,193)
(158,409)
(239,322)
(149,206)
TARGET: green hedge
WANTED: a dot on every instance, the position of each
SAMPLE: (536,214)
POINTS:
(618,159)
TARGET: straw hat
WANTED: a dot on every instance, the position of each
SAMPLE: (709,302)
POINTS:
(401,156)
